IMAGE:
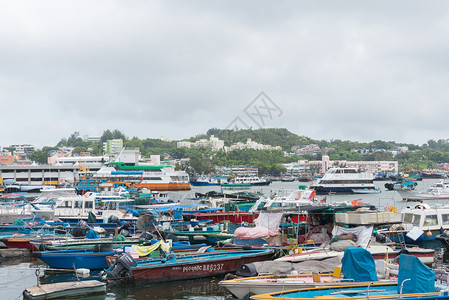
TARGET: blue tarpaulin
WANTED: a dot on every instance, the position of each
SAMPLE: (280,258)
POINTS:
(358,264)
(92,234)
(422,277)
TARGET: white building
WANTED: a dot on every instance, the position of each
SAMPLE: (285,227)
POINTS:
(251,145)
(366,166)
(213,142)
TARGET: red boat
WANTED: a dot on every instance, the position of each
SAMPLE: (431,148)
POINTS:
(19,241)
(184,267)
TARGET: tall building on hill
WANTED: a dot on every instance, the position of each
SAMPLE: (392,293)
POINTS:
(113,146)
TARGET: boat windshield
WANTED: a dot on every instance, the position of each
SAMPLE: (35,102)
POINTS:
(431,220)
(445,219)
(408,218)
(416,220)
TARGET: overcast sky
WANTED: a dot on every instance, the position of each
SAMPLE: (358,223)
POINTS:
(351,70)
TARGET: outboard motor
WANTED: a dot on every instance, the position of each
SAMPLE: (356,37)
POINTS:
(124,229)
(120,269)
(382,238)
(60,230)
(147,236)
(246,270)
(82,224)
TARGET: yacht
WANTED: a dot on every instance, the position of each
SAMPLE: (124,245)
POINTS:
(438,191)
(252,180)
(343,181)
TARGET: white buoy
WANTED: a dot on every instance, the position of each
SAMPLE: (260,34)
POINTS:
(83,272)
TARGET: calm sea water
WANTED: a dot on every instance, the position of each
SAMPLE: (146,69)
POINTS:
(16,275)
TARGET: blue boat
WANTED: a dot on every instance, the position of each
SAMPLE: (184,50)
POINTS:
(95,258)
(415,280)
(77,259)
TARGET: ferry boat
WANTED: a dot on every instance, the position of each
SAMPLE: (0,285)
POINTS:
(155,178)
(252,180)
(205,181)
(343,181)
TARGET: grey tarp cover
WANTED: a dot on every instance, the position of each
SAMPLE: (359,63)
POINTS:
(284,267)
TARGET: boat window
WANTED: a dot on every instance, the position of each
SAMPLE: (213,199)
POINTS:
(416,220)
(431,220)
(261,204)
(408,218)
(445,219)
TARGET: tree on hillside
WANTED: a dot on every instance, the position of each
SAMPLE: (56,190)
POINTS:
(39,156)
(107,135)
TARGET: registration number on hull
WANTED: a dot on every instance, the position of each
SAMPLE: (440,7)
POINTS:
(208,267)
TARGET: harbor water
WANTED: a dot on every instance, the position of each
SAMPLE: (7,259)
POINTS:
(18,274)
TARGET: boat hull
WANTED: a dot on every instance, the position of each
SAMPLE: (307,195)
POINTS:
(74,259)
(195,183)
(194,268)
(321,190)
(164,186)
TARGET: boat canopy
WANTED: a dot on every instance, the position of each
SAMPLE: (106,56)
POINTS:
(414,276)
(358,264)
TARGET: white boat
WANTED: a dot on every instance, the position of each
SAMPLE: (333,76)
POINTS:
(438,191)
(155,178)
(294,200)
(252,180)
(66,205)
(343,181)
(420,222)
(241,287)
(367,191)
(363,234)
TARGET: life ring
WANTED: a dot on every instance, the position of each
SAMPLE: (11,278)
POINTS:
(421,206)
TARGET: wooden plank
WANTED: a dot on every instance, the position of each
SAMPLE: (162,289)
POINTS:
(53,290)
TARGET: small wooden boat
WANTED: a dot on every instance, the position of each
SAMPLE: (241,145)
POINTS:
(64,289)
(191,266)
(415,280)
(198,236)
(81,258)
(97,258)
(19,240)
(241,287)
(66,243)
(360,291)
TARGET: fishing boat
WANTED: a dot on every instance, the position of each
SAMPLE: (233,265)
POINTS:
(362,238)
(425,221)
(241,287)
(175,267)
(415,281)
(403,185)
(95,256)
(200,236)
(343,181)
(77,259)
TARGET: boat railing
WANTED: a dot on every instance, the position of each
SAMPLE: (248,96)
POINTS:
(402,285)
(20,209)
